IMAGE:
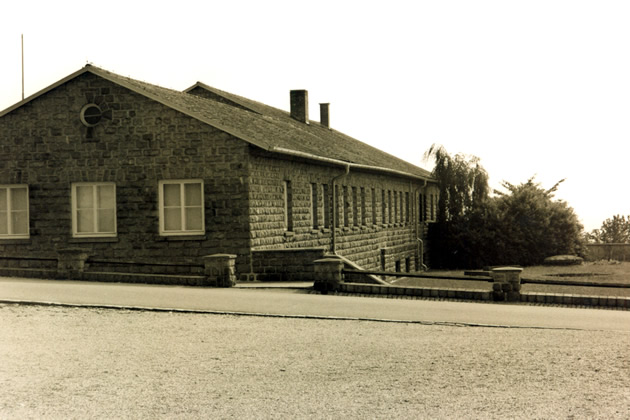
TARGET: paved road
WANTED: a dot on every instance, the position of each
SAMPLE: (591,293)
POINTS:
(298,302)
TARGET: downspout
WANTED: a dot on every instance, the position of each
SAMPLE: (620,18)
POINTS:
(417,223)
(333,242)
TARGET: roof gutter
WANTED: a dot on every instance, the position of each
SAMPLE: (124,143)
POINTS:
(348,164)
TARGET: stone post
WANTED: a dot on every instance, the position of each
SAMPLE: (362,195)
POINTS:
(219,270)
(328,275)
(71,262)
(506,284)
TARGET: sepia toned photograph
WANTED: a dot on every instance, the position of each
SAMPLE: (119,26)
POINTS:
(314,210)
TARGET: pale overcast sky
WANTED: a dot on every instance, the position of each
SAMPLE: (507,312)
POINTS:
(531,87)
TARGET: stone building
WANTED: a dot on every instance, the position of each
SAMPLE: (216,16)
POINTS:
(141,179)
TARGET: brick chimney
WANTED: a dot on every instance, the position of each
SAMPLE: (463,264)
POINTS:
(299,105)
(324,114)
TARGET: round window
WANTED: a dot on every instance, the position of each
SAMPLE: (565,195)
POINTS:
(91,115)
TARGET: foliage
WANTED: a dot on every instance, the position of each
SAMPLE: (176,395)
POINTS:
(613,231)
(463,183)
(533,225)
(521,226)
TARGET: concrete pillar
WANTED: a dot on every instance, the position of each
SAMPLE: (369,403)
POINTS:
(328,275)
(219,270)
(506,284)
(71,262)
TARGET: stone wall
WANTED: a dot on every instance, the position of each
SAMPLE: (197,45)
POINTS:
(45,145)
(373,233)
(286,264)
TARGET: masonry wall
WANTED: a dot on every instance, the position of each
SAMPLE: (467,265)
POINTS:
(44,144)
(373,233)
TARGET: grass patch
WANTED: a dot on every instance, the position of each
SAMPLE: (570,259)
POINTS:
(599,271)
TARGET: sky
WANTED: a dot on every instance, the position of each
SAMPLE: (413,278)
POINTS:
(532,88)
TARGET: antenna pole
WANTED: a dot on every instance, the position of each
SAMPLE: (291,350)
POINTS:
(22,66)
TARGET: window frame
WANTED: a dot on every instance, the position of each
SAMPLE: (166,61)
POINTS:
(314,206)
(75,219)
(182,206)
(10,211)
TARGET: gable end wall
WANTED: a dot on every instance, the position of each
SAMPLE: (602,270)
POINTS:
(44,144)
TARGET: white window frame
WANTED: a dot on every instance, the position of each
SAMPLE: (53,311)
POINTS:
(183,231)
(9,211)
(97,207)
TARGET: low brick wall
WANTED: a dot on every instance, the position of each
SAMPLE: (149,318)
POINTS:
(425,292)
(145,267)
(285,264)
(7,262)
(619,252)
(482,295)
(172,273)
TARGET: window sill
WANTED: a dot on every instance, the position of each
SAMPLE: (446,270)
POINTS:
(15,241)
(182,238)
(110,239)
(289,234)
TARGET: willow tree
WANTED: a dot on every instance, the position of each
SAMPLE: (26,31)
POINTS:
(462,181)
(460,234)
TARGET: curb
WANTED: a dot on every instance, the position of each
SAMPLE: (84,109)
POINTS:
(617,302)
(270,315)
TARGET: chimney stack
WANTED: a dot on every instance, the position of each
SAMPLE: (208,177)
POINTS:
(299,105)
(324,115)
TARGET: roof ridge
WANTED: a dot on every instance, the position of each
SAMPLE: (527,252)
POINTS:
(268,128)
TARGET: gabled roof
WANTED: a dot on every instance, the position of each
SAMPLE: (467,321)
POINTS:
(258,124)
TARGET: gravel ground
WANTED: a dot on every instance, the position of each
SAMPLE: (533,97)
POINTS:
(64,363)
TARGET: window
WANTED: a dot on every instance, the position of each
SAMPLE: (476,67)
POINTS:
(390,208)
(346,206)
(91,115)
(363,209)
(14,212)
(355,206)
(337,203)
(93,209)
(314,207)
(181,207)
(373,206)
(288,206)
(421,207)
(383,207)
